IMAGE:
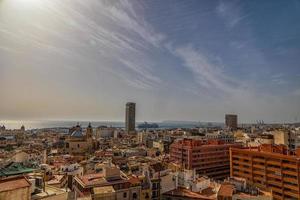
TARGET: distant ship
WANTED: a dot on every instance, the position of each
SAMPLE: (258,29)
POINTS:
(147,125)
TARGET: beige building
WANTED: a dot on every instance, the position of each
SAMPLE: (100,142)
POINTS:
(280,137)
(104,193)
(15,188)
(79,143)
(124,188)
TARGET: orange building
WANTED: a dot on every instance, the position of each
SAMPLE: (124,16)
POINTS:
(269,168)
(208,158)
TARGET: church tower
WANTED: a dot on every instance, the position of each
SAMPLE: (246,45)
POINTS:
(89,131)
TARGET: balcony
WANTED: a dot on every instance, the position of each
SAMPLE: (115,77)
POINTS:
(258,160)
(292,194)
(240,156)
(259,178)
(273,162)
(292,187)
(273,169)
(259,172)
(292,166)
(244,163)
(259,166)
(275,196)
(279,190)
(290,180)
(241,174)
(273,182)
(274,176)
(288,172)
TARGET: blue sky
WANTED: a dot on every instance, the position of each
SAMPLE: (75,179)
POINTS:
(178,60)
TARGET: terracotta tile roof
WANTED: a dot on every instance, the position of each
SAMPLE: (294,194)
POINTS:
(13,183)
(92,178)
(134,180)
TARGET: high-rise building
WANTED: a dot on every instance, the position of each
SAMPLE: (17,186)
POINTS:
(269,167)
(231,121)
(207,158)
(130,117)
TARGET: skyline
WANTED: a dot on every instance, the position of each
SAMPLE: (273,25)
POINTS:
(178,60)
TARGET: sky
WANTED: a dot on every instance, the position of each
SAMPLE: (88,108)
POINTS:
(178,60)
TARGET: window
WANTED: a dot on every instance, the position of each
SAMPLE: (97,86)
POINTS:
(134,195)
(147,196)
(124,194)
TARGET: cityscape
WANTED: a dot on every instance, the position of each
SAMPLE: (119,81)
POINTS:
(149,100)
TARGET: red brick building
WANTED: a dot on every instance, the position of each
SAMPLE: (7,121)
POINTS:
(269,167)
(210,158)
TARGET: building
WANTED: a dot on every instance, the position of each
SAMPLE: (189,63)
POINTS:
(105,132)
(122,186)
(130,117)
(269,167)
(15,188)
(18,134)
(231,121)
(14,169)
(280,137)
(78,143)
(207,158)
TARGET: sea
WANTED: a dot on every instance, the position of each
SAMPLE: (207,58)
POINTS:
(40,124)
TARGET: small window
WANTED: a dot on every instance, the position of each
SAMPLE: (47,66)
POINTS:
(147,195)
(124,194)
(134,196)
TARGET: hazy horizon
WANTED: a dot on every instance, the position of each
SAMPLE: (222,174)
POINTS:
(178,60)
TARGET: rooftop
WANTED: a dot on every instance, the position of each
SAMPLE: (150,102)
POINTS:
(226,190)
(14,169)
(13,183)
(183,192)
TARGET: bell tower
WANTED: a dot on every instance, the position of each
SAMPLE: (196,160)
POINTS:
(89,131)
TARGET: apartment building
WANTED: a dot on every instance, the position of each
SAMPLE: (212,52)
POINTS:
(207,158)
(269,167)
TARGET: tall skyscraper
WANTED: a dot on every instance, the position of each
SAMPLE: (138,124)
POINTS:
(130,117)
(231,121)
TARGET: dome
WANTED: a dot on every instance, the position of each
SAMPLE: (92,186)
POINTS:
(77,133)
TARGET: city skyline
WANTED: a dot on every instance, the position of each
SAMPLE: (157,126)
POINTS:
(177,60)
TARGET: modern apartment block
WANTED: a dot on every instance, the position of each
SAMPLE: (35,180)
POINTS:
(130,117)
(269,167)
(231,121)
(207,158)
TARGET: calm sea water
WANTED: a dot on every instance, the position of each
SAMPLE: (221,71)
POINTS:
(67,124)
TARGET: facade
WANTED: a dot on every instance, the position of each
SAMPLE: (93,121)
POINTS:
(268,167)
(231,121)
(105,132)
(207,158)
(130,117)
(280,137)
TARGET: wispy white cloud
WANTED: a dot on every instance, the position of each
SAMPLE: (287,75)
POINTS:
(207,75)
(231,13)
(110,30)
